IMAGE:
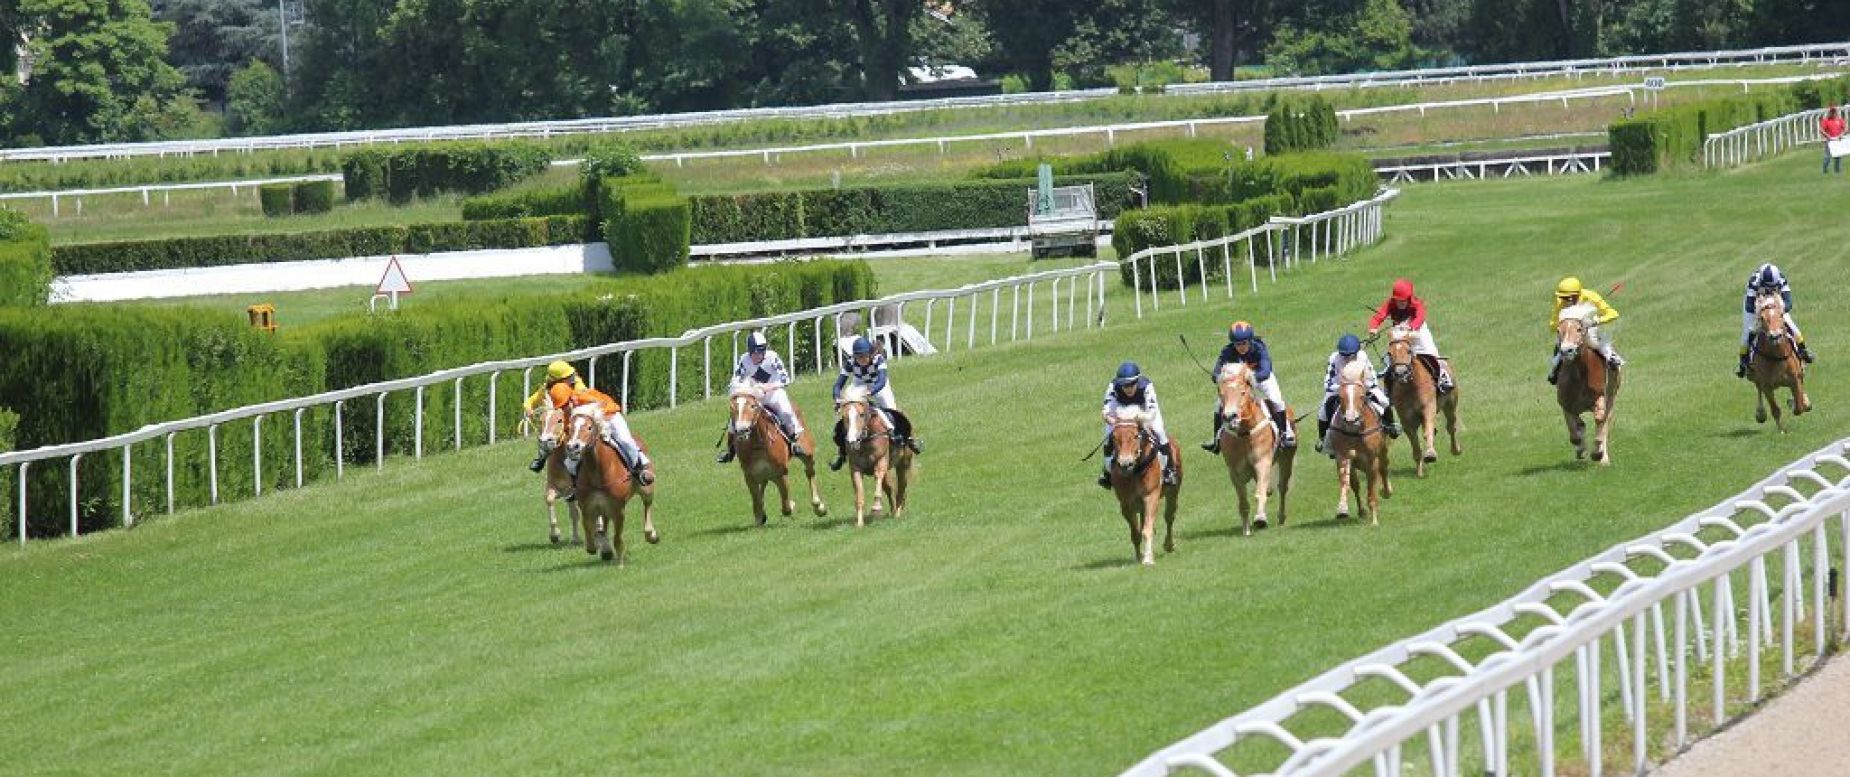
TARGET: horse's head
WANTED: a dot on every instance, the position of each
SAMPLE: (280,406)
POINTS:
(747,405)
(856,414)
(1127,437)
(582,429)
(1571,328)
(1236,387)
(1400,353)
(552,429)
(1770,309)
(1351,391)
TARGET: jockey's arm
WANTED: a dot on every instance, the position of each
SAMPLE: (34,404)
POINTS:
(1607,313)
(840,381)
(1264,370)
(533,402)
(1419,315)
(879,381)
(1785,295)
(1381,314)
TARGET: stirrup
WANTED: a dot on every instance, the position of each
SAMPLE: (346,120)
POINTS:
(1212,446)
(836,465)
(1288,440)
(1104,481)
(1805,354)
(538,465)
(1393,431)
(724,457)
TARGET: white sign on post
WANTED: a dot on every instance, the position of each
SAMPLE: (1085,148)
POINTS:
(393,283)
(1654,83)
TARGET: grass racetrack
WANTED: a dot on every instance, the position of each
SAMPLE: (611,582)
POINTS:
(416,620)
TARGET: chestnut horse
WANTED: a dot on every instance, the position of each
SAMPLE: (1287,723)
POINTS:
(1414,390)
(1357,440)
(1249,445)
(1585,382)
(764,455)
(1137,477)
(872,453)
(1776,362)
(557,481)
(605,487)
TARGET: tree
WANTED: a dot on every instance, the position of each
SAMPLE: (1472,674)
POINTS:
(1229,28)
(882,35)
(214,38)
(255,100)
(98,74)
(1027,32)
(1378,37)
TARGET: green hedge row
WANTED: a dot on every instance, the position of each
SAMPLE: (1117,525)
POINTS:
(647,225)
(1173,224)
(276,199)
(90,258)
(282,199)
(1179,170)
(978,204)
(84,372)
(1300,125)
(9,526)
(402,172)
(1673,137)
(523,202)
(25,260)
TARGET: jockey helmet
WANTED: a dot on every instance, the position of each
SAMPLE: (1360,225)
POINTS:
(1403,289)
(1348,345)
(560,370)
(1128,373)
(863,346)
(1240,332)
(1769,276)
(756,342)
(1568,287)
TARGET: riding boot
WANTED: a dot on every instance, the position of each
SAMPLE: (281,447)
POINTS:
(1287,437)
(1169,466)
(1554,371)
(637,463)
(1387,423)
(1740,370)
(725,457)
(1213,443)
(1805,354)
(1445,376)
(571,471)
(539,463)
(841,448)
(1104,473)
(1323,433)
(902,428)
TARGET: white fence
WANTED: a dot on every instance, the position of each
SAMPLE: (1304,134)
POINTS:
(1772,523)
(1288,242)
(1763,140)
(1521,166)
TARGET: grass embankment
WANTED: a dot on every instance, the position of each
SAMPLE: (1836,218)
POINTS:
(416,621)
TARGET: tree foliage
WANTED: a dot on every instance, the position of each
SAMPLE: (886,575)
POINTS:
(98,74)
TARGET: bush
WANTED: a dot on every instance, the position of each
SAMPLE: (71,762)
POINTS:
(1673,137)
(1171,225)
(523,202)
(652,234)
(1294,125)
(610,160)
(404,172)
(25,261)
(1352,176)
(276,199)
(1179,170)
(314,196)
(171,253)
(9,423)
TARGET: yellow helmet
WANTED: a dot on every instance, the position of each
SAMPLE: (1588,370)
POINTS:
(560,370)
(1568,287)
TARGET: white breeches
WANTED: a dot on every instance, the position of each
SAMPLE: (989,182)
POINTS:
(884,399)
(617,433)
(778,403)
(1423,342)
(1751,322)
(1156,427)
(1274,399)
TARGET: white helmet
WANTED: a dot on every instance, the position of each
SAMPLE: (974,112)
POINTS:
(756,341)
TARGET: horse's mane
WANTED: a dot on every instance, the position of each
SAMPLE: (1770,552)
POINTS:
(1234,370)
(592,412)
(1129,415)
(855,393)
(1353,371)
(1583,312)
(745,390)
(1399,332)
(1769,299)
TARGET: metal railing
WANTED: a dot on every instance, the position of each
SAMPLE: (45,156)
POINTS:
(1666,569)
(1762,140)
(1615,66)
(1571,163)
(1323,234)
(165,189)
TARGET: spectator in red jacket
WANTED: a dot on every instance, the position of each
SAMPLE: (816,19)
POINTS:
(1832,128)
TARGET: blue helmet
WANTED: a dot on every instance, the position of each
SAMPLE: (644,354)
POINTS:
(1769,276)
(1240,332)
(1128,373)
(756,342)
(863,346)
(1348,345)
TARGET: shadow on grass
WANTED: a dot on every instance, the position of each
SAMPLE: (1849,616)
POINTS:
(1564,465)
(528,547)
(732,528)
(1205,534)
(579,563)
(831,524)
(1745,431)
(1333,522)
(1116,562)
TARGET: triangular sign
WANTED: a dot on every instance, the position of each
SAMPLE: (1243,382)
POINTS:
(394,281)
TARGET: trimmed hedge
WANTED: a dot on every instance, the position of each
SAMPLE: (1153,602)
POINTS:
(651,234)
(1351,175)
(90,258)
(1179,170)
(9,526)
(403,172)
(81,372)
(313,196)
(568,200)
(1673,137)
(733,218)
(277,199)
(1295,125)
(25,261)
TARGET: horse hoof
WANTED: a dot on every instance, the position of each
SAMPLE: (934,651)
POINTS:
(1430,456)
(652,537)
(590,550)
(1246,532)
(1169,547)
(820,508)
(1259,522)
(1149,562)
(1599,455)
(608,555)
(1342,515)
(555,538)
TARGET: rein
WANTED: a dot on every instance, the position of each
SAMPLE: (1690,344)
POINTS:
(1146,448)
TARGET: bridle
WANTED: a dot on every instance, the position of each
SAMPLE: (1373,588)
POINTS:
(1235,423)
(858,418)
(580,425)
(1768,336)
(1339,421)
(1146,447)
(1399,369)
(552,427)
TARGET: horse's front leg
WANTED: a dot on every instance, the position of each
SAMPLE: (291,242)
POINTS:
(1429,429)
(1343,473)
(756,488)
(883,486)
(787,505)
(1801,404)
(649,534)
(1377,477)
(552,512)
(1152,501)
(1760,402)
(587,517)
(1575,433)
(1262,477)
(860,497)
(1239,490)
(1127,506)
(1772,404)
(613,528)
(815,489)
(1451,422)
(1602,426)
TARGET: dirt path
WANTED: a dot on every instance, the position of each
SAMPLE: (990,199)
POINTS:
(1800,734)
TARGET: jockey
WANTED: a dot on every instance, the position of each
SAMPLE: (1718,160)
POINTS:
(760,367)
(561,382)
(1407,310)
(1568,293)
(1244,346)
(616,431)
(1769,280)
(867,368)
(1348,350)
(1131,389)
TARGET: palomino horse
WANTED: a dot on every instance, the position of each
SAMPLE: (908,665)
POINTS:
(1776,362)
(872,453)
(1414,390)
(558,480)
(764,456)
(1585,382)
(1357,440)
(605,487)
(1249,445)
(1137,477)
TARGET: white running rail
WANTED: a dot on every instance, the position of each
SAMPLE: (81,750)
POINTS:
(1618,596)
(1762,140)
(1572,163)
(1617,66)
(1287,243)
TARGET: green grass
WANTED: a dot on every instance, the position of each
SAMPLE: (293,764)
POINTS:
(416,621)
(217,212)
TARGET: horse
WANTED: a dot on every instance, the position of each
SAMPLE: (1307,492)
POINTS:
(558,480)
(1137,478)
(1249,446)
(605,487)
(764,455)
(872,452)
(1585,382)
(1357,439)
(1775,363)
(1415,394)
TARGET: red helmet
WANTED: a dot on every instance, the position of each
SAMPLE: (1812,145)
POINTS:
(1403,289)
